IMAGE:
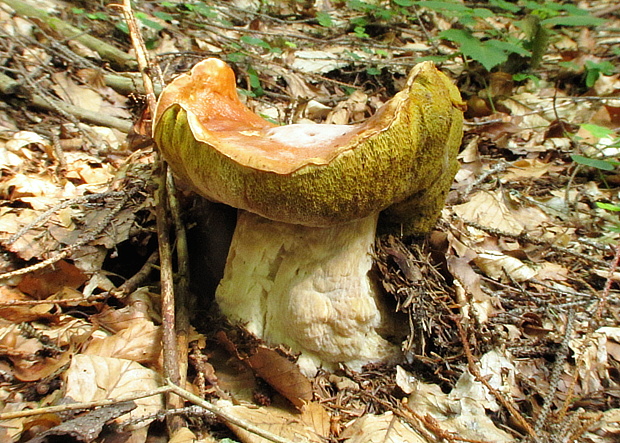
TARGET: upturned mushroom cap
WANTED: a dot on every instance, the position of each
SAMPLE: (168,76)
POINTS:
(314,175)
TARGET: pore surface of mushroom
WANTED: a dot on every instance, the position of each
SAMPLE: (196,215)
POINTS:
(298,270)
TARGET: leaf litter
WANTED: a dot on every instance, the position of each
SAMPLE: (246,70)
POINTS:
(509,307)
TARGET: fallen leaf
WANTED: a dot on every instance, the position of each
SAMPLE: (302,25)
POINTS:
(285,424)
(385,428)
(488,209)
(140,342)
(498,266)
(45,282)
(91,377)
(282,374)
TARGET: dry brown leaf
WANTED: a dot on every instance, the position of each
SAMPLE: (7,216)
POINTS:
(88,169)
(118,319)
(281,374)
(384,428)
(91,377)
(270,418)
(461,269)
(43,283)
(529,168)
(21,185)
(44,367)
(499,266)
(317,418)
(490,210)
(140,342)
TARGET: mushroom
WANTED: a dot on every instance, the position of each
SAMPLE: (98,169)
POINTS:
(310,196)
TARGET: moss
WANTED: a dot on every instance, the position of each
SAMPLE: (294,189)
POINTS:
(411,161)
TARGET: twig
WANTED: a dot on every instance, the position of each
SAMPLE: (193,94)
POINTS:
(64,301)
(243,424)
(132,283)
(9,86)
(497,168)
(84,239)
(105,50)
(605,295)
(84,405)
(476,373)
(528,239)
(168,311)
(74,201)
(556,372)
(182,295)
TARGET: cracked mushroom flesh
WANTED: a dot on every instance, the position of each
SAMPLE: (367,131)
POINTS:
(298,269)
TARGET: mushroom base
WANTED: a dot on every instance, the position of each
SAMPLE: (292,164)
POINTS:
(307,288)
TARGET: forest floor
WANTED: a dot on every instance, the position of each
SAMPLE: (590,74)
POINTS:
(512,300)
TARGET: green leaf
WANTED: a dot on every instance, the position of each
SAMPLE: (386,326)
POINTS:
(148,22)
(592,76)
(573,20)
(404,3)
(122,26)
(255,41)
(324,19)
(360,32)
(235,57)
(202,9)
(604,67)
(373,71)
(593,162)
(608,206)
(257,89)
(359,5)
(483,13)
(503,4)
(598,131)
(163,16)
(522,76)
(439,6)
(509,47)
(485,53)
(98,16)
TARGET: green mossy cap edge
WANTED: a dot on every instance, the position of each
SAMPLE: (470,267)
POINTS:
(414,152)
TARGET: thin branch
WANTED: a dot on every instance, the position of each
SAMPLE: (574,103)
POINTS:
(243,424)
(476,373)
(10,86)
(66,252)
(84,405)
(105,50)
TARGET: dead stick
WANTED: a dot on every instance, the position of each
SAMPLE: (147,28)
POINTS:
(105,50)
(83,405)
(171,355)
(476,373)
(225,415)
(8,86)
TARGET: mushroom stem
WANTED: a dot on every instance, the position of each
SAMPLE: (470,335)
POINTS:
(308,288)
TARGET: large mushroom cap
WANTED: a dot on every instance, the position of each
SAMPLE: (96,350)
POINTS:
(315,175)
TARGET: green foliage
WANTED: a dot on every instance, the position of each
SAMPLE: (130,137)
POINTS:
(605,165)
(594,71)
(492,48)
(489,53)
(324,19)
(535,21)
(257,89)
(602,163)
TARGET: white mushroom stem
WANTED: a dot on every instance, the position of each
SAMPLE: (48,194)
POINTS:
(308,288)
